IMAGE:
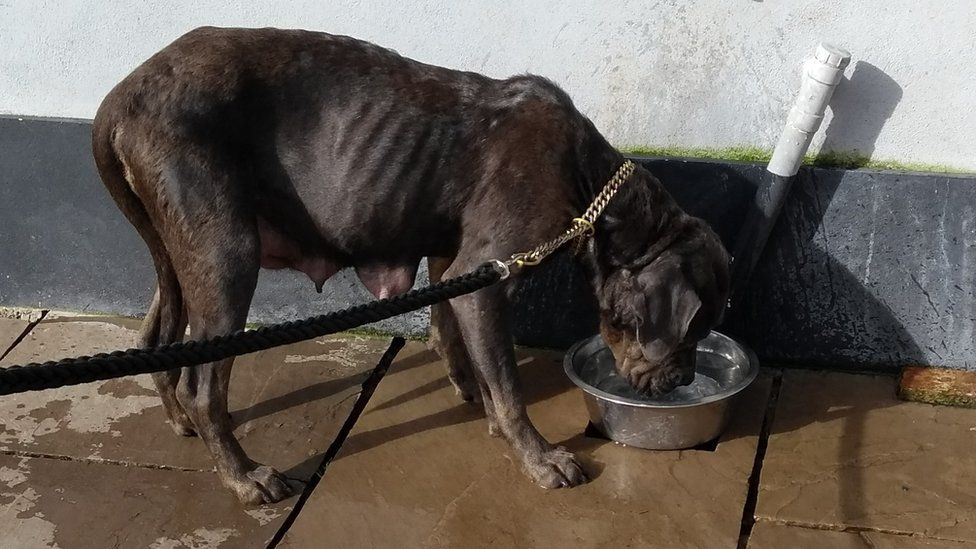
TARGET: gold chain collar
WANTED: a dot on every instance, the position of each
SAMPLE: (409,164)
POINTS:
(581,228)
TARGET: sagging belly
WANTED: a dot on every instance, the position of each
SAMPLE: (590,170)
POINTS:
(381,279)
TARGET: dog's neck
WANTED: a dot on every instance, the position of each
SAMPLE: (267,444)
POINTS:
(629,232)
(634,228)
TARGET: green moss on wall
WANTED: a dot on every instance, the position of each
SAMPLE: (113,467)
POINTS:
(735,154)
(762,156)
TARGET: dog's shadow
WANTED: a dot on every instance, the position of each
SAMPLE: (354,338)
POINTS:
(315,392)
(541,376)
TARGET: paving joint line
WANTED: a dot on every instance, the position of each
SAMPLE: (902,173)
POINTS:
(853,529)
(366,393)
(752,493)
(27,329)
(102,461)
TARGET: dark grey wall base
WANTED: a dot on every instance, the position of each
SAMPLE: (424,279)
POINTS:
(866,269)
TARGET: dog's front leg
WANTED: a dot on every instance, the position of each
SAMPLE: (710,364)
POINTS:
(445,338)
(483,319)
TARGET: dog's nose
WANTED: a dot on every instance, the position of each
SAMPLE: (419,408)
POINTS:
(687,377)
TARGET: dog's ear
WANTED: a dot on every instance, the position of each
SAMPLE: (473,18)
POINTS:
(670,304)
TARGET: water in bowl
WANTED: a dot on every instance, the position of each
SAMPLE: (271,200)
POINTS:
(600,372)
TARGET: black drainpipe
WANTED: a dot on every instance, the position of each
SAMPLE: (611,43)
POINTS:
(821,75)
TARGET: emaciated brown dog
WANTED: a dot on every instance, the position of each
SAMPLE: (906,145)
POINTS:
(236,149)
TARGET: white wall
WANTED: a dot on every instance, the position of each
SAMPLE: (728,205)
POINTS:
(709,73)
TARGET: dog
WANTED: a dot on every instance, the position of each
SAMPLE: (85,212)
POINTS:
(233,150)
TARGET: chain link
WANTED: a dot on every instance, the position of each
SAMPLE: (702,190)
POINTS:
(581,228)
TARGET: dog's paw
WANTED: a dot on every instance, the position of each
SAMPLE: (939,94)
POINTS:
(182,426)
(261,485)
(556,468)
(466,388)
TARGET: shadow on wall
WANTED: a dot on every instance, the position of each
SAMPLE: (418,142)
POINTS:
(861,105)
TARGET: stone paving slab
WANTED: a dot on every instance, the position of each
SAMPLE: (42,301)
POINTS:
(72,504)
(768,535)
(846,453)
(279,399)
(288,404)
(419,470)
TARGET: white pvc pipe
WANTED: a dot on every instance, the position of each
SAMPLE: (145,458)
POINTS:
(820,76)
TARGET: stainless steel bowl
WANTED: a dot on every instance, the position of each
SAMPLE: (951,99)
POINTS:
(686,417)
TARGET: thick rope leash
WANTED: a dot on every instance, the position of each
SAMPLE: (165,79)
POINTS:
(85,369)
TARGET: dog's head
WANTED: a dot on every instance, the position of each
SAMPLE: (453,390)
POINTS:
(653,316)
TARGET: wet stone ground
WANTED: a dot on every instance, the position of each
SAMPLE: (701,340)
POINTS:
(811,459)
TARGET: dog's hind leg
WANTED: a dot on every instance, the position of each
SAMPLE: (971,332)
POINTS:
(216,255)
(166,323)
(193,212)
(218,305)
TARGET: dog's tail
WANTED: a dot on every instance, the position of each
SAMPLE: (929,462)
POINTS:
(164,320)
